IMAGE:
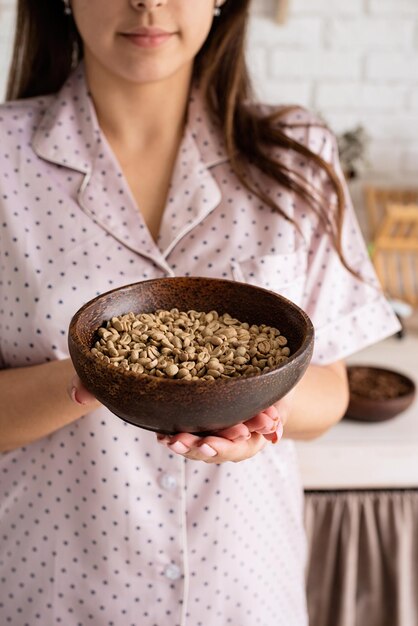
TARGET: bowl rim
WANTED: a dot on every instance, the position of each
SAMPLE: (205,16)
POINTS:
(308,340)
(410,393)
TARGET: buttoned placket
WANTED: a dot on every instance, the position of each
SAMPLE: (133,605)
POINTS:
(172,560)
(195,193)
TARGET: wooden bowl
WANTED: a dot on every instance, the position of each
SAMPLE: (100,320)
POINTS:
(168,406)
(368,380)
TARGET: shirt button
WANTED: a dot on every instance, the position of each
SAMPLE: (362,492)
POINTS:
(168,482)
(172,572)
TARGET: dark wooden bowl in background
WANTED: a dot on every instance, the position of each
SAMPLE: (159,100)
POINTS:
(364,409)
(169,406)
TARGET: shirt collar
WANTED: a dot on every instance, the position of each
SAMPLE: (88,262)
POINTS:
(69,134)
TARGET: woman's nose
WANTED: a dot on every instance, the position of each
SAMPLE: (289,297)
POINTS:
(147,5)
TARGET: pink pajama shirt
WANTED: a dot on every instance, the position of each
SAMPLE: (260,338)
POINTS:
(99,524)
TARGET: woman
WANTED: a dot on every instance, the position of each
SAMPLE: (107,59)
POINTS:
(131,150)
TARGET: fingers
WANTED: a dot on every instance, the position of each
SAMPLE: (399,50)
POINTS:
(235,443)
(214,449)
(272,412)
(233,433)
(181,443)
(284,406)
(78,393)
(276,435)
(264,422)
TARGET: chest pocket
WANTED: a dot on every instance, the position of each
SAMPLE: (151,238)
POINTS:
(283,273)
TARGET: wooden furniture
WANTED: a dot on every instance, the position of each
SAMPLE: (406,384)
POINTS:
(378,198)
(393,232)
(395,252)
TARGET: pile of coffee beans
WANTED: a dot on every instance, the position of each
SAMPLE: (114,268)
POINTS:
(191,345)
(376,384)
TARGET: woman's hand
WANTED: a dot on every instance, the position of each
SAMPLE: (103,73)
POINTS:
(78,393)
(236,443)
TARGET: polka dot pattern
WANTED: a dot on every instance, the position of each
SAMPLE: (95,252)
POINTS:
(99,524)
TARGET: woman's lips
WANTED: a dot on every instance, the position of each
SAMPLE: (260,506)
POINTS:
(148,38)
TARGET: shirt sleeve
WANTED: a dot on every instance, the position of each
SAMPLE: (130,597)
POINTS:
(348,313)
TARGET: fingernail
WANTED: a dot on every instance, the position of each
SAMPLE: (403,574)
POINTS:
(242,438)
(179,448)
(74,396)
(278,434)
(272,412)
(206,450)
(268,428)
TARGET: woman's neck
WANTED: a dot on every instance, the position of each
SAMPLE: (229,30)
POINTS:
(132,115)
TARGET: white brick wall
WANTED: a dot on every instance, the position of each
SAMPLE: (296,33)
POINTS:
(354,61)
(393,7)
(7,18)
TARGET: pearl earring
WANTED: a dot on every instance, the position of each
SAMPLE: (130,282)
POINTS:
(67,7)
(217,11)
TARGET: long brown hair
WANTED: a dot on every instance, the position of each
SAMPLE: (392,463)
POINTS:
(47,46)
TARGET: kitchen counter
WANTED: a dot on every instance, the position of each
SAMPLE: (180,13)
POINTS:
(357,455)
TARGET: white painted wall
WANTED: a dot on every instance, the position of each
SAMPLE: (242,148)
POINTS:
(354,61)
(7,23)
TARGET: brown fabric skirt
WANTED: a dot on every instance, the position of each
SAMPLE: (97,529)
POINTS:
(363,558)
